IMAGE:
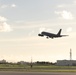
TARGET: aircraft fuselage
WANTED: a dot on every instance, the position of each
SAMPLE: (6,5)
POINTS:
(51,35)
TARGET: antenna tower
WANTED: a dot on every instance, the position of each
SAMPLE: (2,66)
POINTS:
(70,54)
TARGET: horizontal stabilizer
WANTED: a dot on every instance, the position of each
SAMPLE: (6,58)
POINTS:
(64,35)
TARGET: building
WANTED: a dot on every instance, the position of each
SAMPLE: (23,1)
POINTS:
(66,63)
(22,62)
(3,61)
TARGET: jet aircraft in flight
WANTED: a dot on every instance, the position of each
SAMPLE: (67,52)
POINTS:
(51,35)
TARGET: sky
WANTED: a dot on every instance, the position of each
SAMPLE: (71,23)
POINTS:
(22,20)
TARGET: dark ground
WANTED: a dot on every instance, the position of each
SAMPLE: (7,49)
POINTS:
(35,73)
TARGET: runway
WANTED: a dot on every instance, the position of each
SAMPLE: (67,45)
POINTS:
(36,73)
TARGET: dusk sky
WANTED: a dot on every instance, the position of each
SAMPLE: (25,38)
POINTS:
(22,20)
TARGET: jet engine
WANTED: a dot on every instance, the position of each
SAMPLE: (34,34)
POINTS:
(40,35)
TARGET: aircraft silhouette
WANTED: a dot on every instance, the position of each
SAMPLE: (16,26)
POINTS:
(51,35)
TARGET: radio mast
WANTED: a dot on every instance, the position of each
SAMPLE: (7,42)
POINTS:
(70,54)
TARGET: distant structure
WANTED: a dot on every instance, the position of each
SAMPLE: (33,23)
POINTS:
(3,61)
(22,62)
(67,62)
(70,54)
(31,64)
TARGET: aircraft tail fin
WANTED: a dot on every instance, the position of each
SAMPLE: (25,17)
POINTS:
(59,32)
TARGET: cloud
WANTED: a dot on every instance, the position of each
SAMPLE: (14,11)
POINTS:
(4,6)
(4,27)
(65,15)
(2,19)
(8,6)
(13,5)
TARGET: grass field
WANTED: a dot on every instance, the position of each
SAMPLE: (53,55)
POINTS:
(37,68)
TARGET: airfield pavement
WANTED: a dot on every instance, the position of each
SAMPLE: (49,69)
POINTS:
(36,73)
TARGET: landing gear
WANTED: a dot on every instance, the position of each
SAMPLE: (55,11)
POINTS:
(52,37)
(47,37)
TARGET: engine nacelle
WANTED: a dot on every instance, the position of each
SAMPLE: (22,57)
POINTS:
(40,35)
